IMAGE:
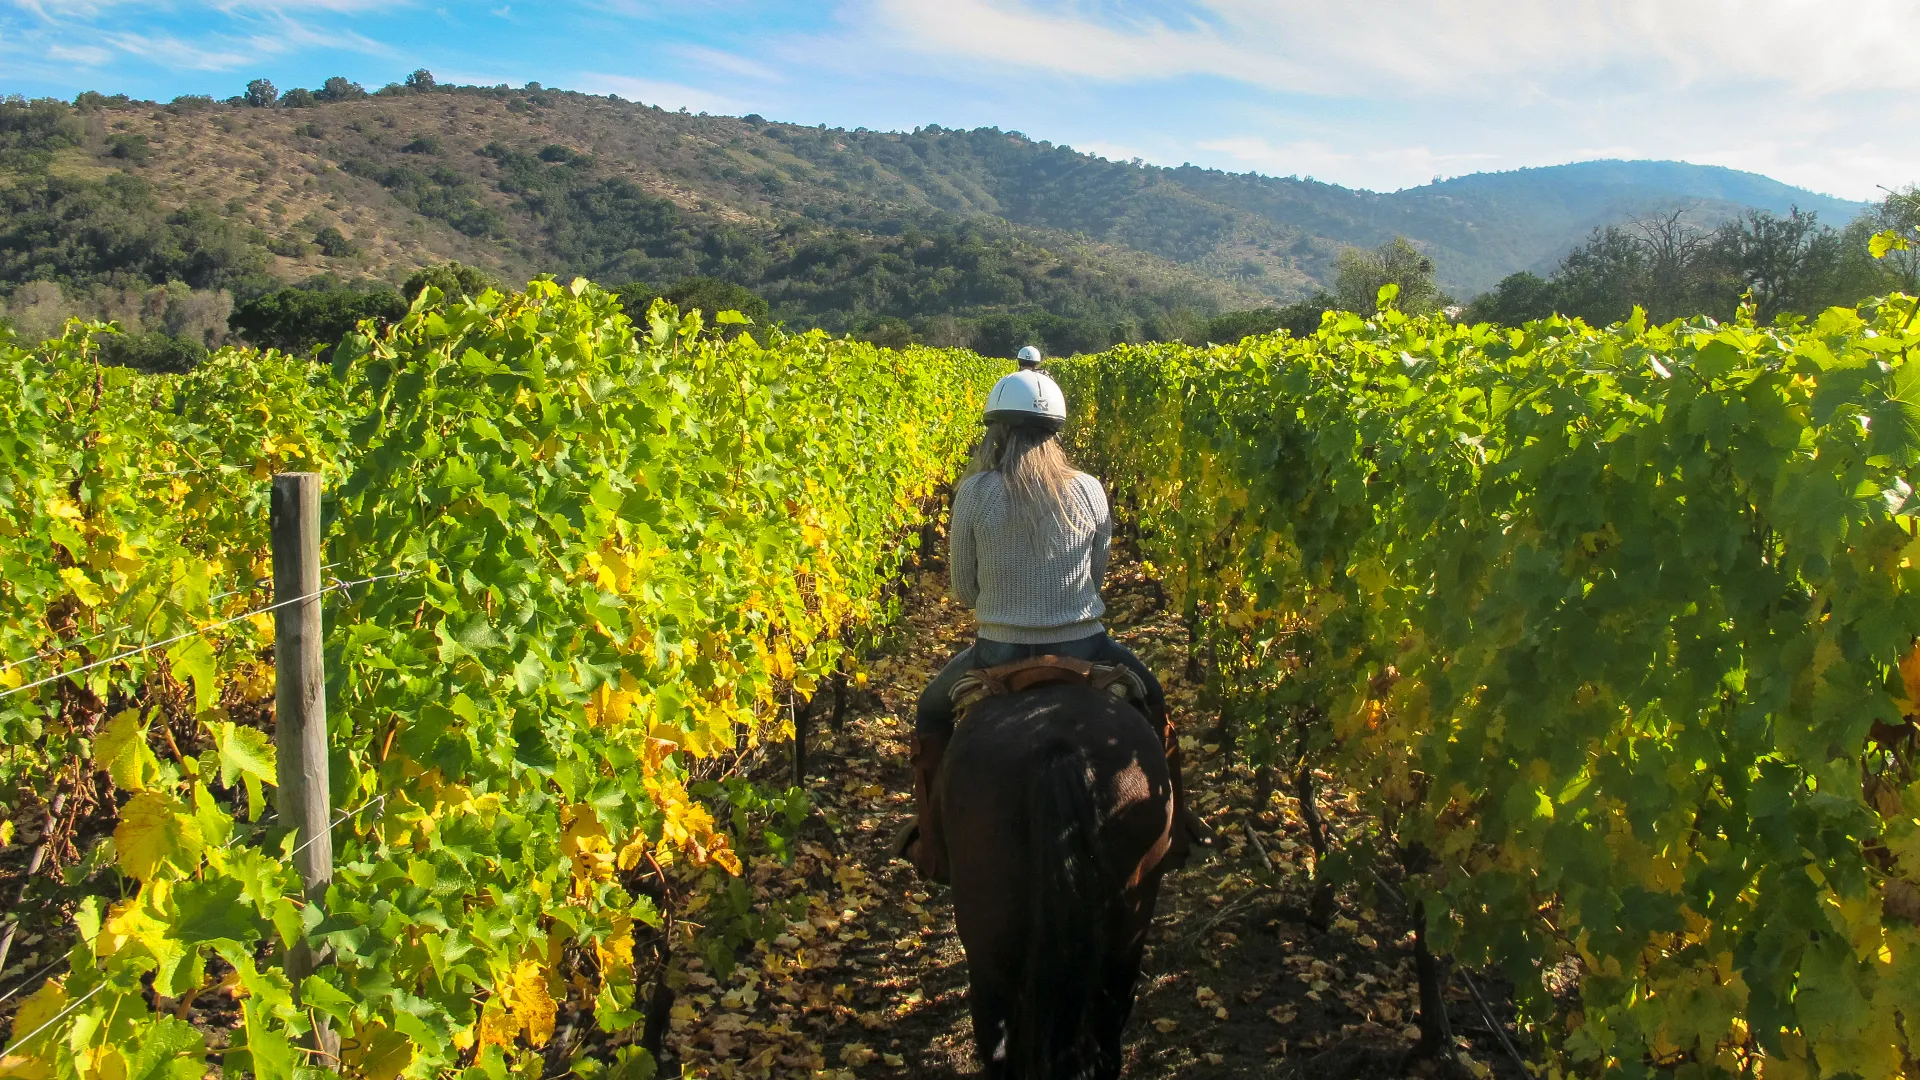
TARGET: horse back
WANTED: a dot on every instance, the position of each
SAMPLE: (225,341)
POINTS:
(1057,809)
(987,779)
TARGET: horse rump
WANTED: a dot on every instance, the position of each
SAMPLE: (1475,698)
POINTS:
(1075,902)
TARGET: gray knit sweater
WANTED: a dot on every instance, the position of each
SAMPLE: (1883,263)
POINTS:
(1023,592)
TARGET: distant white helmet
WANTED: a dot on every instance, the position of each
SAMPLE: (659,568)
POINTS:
(1027,397)
(1029,357)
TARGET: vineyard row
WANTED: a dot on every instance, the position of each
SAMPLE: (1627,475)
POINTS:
(1612,629)
(611,554)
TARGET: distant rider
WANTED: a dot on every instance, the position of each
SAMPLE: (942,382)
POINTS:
(1029,540)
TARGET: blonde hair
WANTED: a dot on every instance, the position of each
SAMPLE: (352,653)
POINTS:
(1038,476)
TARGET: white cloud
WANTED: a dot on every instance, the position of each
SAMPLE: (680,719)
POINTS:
(283,35)
(87,33)
(54,10)
(1392,92)
(172,52)
(731,63)
(1484,49)
(1402,166)
(84,55)
(667,95)
(303,6)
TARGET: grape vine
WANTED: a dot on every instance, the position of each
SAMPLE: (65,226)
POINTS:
(599,556)
(1614,629)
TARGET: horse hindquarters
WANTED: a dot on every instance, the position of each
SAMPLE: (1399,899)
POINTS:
(1068,1024)
(1056,812)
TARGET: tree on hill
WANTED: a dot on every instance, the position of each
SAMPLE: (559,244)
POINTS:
(339,88)
(421,79)
(154,352)
(453,279)
(294,320)
(709,295)
(1229,327)
(260,94)
(1518,299)
(1898,213)
(1672,268)
(1300,318)
(1362,274)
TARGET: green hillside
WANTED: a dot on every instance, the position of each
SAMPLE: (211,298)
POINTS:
(981,238)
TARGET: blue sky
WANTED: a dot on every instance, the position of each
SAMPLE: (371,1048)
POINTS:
(1384,94)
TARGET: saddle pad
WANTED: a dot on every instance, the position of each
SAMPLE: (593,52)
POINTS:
(1049,670)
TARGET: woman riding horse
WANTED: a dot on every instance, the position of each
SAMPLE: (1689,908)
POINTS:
(1054,812)
(1029,539)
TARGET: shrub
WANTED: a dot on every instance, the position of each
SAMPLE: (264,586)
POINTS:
(128,148)
(334,244)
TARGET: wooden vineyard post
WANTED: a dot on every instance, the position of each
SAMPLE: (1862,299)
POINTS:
(300,706)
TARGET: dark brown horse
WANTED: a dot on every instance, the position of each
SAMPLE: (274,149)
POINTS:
(1057,811)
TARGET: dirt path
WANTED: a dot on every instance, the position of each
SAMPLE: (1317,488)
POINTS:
(872,982)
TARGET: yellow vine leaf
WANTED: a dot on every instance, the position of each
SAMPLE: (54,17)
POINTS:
(131,921)
(156,829)
(583,840)
(533,1008)
(630,856)
(615,953)
(520,1005)
(611,704)
(122,753)
(497,1027)
(84,588)
(45,1004)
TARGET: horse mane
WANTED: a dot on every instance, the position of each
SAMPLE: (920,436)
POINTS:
(1071,921)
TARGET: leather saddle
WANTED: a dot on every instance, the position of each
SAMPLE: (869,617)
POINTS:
(1047,670)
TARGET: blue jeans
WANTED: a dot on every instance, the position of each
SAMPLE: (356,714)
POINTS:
(933,715)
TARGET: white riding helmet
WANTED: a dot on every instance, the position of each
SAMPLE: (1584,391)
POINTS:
(1027,397)
(1029,357)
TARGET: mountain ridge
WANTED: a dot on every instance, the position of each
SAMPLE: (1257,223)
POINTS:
(930,231)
